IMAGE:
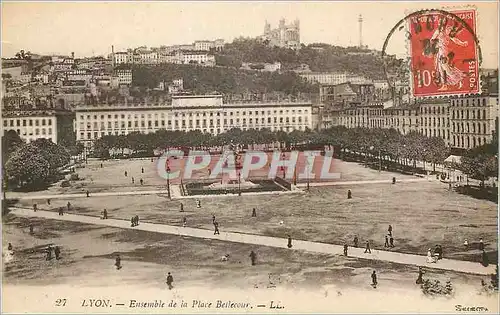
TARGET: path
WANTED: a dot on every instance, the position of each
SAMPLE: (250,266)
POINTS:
(364,182)
(176,194)
(395,257)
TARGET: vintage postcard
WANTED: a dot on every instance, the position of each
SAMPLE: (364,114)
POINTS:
(249,157)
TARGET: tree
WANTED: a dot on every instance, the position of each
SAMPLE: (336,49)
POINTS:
(28,168)
(10,143)
(479,165)
(56,155)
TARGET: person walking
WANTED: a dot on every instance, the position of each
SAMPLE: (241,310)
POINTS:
(49,253)
(216,227)
(374,279)
(356,241)
(104,214)
(61,211)
(182,207)
(141,181)
(198,203)
(48,201)
(136,220)
(118,262)
(420,280)
(88,193)
(485,261)
(466,244)
(253,257)
(184,222)
(389,230)
(430,256)
(142,170)
(10,247)
(345,249)
(126,173)
(132,221)
(170,281)
(57,252)
(439,252)
(394,180)
(386,244)
(349,194)
(133,180)
(213,218)
(68,205)
(254,213)
(367,248)
(289,241)
(31,228)
(391,241)
(481,244)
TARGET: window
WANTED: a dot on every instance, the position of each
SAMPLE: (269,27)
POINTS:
(24,122)
(5,123)
(43,122)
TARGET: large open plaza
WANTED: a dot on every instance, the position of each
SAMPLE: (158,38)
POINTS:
(423,212)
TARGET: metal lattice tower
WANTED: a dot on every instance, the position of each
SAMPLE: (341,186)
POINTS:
(360,21)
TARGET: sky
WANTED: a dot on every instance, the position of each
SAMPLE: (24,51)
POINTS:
(90,28)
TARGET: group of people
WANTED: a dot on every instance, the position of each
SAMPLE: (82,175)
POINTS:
(134,220)
(57,252)
(389,239)
(133,179)
(434,256)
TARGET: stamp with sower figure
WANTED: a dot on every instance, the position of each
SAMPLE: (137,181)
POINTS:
(444,53)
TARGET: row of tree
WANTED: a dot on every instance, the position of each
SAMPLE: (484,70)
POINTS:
(38,163)
(384,143)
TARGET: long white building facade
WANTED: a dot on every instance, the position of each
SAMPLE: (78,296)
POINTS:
(31,125)
(206,113)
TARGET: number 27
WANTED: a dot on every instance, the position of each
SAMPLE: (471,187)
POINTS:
(61,302)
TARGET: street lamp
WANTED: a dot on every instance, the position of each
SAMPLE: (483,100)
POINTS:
(308,178)
(168,181)
(379,161)
(239,183)
(424,159)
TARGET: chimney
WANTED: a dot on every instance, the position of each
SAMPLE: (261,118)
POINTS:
(73,55)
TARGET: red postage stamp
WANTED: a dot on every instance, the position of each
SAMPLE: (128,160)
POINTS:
(444,54)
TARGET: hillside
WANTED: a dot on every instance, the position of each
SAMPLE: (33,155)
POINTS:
(319,57)
(202,80)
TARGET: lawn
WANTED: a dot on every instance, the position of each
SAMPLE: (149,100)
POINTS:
(422,214)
